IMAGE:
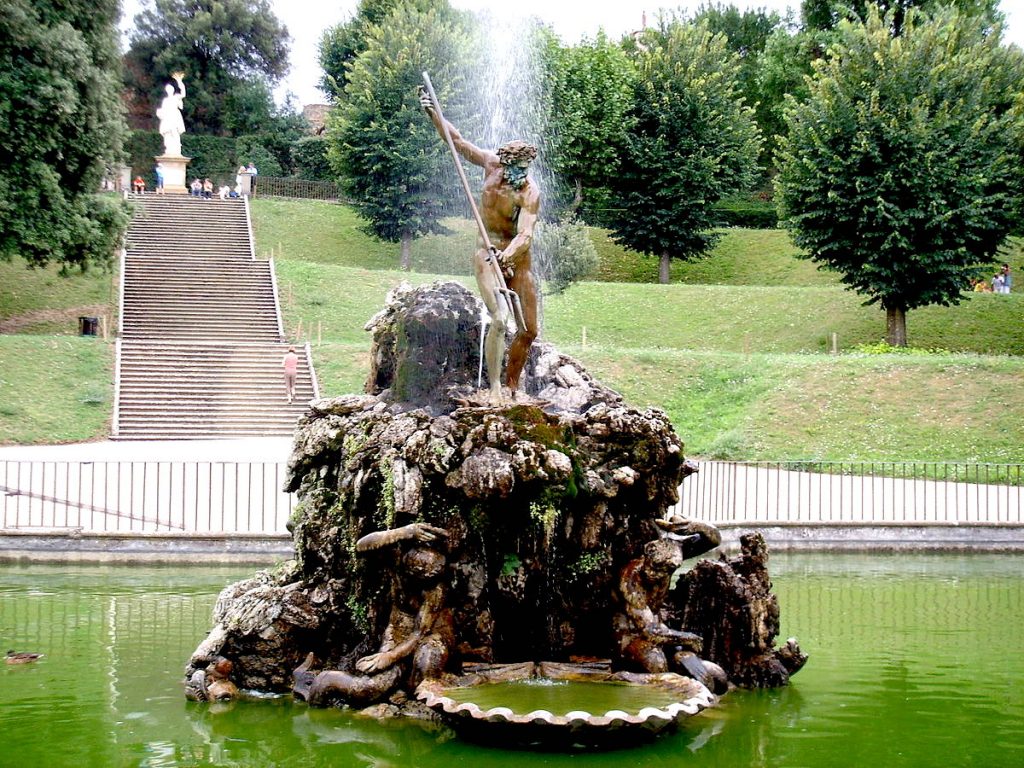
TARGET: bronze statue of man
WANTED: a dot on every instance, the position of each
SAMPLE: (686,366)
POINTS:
(509,206)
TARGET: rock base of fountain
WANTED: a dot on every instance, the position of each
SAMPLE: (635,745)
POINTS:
(435,533)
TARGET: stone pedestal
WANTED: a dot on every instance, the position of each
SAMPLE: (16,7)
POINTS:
(245,184)
(174,172)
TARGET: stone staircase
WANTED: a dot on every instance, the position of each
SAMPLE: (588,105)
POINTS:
(201,338)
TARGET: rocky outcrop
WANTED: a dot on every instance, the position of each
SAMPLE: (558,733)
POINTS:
(729,603)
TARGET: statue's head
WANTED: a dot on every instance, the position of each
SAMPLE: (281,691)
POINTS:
(516,157)
(169,89)
(423,563)
(663,556)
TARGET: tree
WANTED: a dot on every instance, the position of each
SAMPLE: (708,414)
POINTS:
(825,15)
(342,43)
(564,253)
(222,46)
(748,32)
(381,144)
(61,129)
(691,141)
(310,157)
(592,95)
(897,171)
(783,69)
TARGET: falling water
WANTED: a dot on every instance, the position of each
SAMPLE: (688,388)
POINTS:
(514,100)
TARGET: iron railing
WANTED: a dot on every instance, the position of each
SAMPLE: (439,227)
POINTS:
(854,492)
(246,497)
(145,496)
(279,186)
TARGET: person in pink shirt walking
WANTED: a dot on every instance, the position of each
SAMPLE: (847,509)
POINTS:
(290,363)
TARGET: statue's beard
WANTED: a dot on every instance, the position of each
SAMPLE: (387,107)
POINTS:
(515,176)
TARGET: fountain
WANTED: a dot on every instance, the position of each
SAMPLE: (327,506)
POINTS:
(447,546)
(459,553)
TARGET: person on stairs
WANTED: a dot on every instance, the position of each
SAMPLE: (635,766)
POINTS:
(290,363)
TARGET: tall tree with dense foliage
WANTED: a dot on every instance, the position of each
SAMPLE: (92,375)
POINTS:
(229,50)
(825,15)
(897,171)
(691,141)
(61,128)
(748,32)
(342,43)
(591,98)
(381,144)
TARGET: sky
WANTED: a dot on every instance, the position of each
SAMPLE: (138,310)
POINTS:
(571,20)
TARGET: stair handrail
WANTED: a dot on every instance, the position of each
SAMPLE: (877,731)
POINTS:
(120,291)
(312,372)
(277,300)
(115,421)
(248,226)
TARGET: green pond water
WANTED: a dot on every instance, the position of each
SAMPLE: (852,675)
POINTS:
(915,661)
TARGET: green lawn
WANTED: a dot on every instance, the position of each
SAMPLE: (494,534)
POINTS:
(45,301)
(685,317)
(770,319)
(328,233)
(823,407)
(55,389)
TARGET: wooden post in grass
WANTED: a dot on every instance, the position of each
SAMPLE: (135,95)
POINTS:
(835,343)
(319,332)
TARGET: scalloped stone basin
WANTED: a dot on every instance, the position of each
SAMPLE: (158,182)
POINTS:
(563,705)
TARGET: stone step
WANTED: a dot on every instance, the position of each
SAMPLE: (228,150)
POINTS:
(283,413)
(158,346)
(200,309)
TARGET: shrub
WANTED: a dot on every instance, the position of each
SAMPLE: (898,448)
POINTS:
(251,150)
(564,253)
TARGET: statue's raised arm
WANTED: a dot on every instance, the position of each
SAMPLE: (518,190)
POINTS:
(474,154)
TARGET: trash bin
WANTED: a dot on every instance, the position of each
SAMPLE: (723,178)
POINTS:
(88,326)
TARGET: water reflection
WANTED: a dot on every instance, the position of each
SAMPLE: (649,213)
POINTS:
(913,660)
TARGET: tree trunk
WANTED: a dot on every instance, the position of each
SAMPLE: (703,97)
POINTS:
(406,259)
(663,263)
(896,326)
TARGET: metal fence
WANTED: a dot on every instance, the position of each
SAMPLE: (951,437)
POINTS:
(854,492)
(246,497)
(145,496)
(278,186)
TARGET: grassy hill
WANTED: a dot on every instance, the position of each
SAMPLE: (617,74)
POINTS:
(734,349)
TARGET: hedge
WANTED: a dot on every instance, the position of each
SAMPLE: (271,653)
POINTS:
(745,212)
(212,156)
